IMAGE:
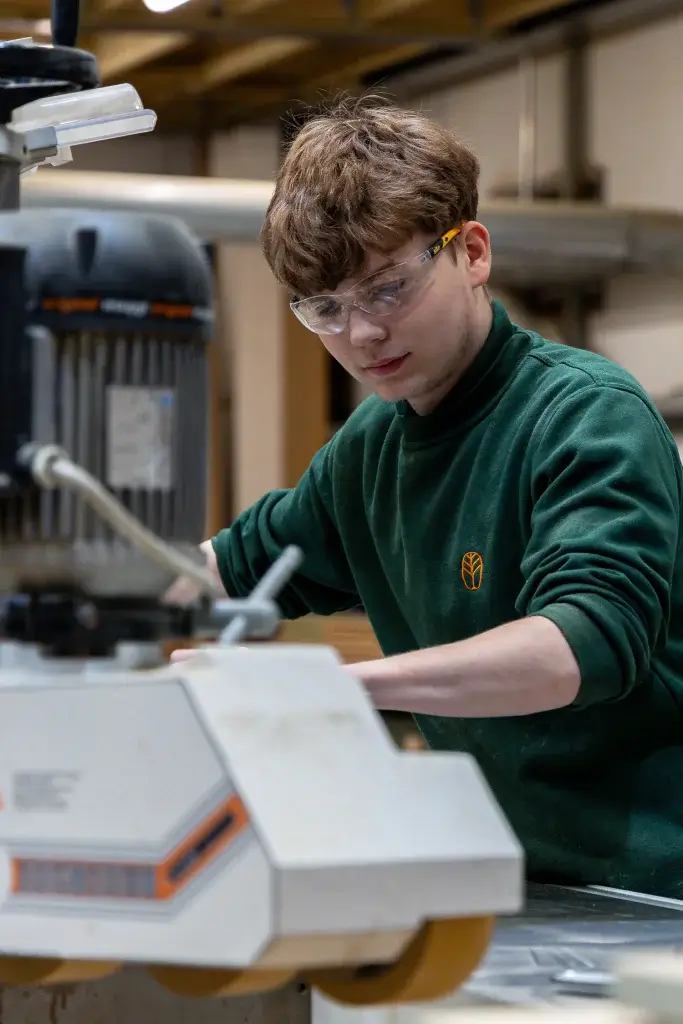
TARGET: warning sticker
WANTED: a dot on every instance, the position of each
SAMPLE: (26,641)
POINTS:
(140,437)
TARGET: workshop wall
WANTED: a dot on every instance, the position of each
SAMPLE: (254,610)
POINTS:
(635,88)
(635,134)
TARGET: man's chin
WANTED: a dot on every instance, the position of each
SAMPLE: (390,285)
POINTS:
(397,390)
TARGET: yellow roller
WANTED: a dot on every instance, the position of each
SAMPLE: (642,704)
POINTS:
(439,960)
(25,970)
(202,982)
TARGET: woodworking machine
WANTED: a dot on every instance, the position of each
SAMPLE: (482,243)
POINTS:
(237,820)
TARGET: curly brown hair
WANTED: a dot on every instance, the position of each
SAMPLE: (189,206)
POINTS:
(363,175)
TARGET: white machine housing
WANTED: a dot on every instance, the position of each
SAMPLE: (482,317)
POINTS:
(246,808)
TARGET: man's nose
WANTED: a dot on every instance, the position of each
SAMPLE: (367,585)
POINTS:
(363,331)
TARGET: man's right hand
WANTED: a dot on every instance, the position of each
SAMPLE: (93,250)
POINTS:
(184,591)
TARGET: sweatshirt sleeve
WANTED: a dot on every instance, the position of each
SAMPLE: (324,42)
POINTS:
(606,497)
(303,515)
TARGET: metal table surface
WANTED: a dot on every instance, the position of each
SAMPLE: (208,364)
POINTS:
(557,952)
(561,947)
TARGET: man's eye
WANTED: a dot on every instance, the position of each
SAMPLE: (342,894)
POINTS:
(389,289)
(327,308)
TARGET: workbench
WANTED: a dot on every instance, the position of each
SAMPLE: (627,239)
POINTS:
(133,997)
(557,952)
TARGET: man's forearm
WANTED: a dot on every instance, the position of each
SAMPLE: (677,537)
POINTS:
(520,668)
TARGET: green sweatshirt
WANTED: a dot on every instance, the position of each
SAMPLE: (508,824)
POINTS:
(545,484)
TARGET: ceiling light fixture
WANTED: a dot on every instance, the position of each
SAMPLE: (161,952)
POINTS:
(163,6)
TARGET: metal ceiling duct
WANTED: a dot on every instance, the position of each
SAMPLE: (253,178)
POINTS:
(216,209)
(534,242)
(537,243)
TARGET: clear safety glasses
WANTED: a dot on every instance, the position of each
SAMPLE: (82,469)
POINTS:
(385,292)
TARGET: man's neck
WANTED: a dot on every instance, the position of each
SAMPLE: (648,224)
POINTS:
(476,338)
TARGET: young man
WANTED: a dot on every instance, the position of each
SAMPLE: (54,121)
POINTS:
(506,510)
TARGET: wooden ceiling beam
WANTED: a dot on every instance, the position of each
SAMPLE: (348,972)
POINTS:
(119,55)
(20,9)
(28,9)
(501,13)
(344,77)
(382,10)
(244,60)
(247,59)
(316,27)
(350,73)
(250,6)
(158,87)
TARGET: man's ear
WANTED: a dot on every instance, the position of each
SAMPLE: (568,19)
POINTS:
(476,245)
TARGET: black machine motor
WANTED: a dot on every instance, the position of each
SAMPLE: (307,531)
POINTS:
(111,367)
(104,320)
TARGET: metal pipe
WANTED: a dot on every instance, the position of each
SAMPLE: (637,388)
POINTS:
(214,208)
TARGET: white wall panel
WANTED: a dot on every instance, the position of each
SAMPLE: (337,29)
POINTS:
(485,113)
(636,89)
(635,86)
(253,330)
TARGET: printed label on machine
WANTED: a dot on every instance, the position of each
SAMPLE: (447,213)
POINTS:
(140,437)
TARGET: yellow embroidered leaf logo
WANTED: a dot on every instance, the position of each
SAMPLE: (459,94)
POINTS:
(472,570)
